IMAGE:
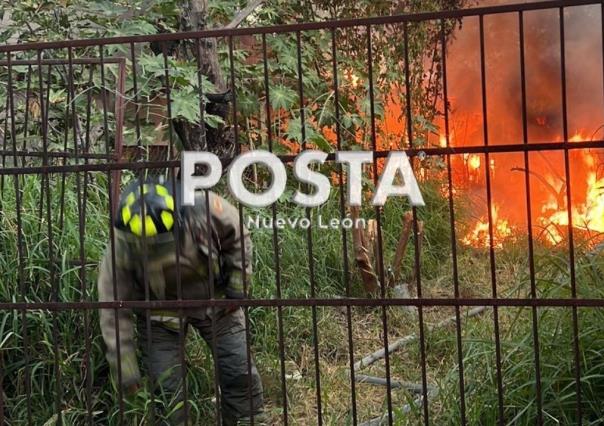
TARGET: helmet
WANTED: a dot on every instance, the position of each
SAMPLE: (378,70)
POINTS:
(159,208)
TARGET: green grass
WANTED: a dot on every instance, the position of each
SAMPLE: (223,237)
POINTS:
(555,324)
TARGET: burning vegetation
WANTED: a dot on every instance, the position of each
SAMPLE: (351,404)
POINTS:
(560,101)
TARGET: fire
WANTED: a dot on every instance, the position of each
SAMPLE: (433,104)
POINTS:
(592,216)
(474,162)
(507,171)
(442,141)
(479,235)
(548,112)
(587,216)
(552,218)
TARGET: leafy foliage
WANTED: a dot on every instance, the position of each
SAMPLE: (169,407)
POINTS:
(64,19)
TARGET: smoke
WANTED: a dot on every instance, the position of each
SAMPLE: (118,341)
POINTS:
(544,98)
(543,76)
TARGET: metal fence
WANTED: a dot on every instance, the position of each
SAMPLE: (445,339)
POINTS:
(72,171)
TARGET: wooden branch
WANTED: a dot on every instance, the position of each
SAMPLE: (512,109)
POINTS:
(362,255)
(244,13)
(560,196)
(7,22)
(379,354)
(420,235)
(383,419)
(394,384)
(401,247)
(131,13)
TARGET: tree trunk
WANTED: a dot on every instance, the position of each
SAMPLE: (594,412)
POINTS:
(197,136)
(195,19)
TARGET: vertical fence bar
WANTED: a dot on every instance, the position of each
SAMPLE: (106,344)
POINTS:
(26,114)
(145,258)
(182,326)
(81,233)
(4,142)
(460,364)
(74,113)
(490,218)
(44,128)
(89,89)
(82,202)
(529,219)
(135,100)
(20,251)
(276,257)
(416,236)
(246,280)
(209,224)
(213,319)
(47,213)
(68,104)
(378,215)
(111,207)
(571,244)
(51,254)
(346,272)
(199,52)
(311,266)
(118,115)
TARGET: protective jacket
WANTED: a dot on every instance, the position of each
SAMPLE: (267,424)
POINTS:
(208,254)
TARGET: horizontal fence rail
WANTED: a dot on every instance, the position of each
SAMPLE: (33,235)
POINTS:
(482,307)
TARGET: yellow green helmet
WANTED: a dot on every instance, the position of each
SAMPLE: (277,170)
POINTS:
(158,214)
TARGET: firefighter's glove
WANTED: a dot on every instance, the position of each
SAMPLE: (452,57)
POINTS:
(234,289)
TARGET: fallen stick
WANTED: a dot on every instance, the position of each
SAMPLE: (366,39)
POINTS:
(383,419)
(394,384)
(379,354)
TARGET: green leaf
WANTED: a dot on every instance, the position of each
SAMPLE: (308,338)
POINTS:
(108,8)
(247,103)
(282,97)
(294,130)
(213,120)
(136,28)
(56,96)
(322,143)
(185,105)
(152,64)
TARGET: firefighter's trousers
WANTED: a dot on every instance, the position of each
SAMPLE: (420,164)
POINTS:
(240,393)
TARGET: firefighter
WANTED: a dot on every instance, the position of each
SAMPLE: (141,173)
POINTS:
(146,231)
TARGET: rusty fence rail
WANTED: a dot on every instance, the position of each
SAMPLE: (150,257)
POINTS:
(76,161)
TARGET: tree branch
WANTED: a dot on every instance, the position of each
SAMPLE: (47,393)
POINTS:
(244,13)
(404,341)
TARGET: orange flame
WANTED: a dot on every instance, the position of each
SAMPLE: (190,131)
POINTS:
(474,162)
(442,141)
(479,235)
(587,216)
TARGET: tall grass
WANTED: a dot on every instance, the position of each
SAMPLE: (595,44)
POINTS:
(79,347)
(557,360)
